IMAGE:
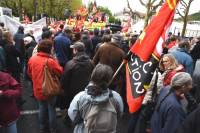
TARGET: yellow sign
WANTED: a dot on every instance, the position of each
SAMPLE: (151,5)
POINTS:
(87,24)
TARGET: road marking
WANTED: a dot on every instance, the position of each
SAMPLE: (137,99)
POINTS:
(32,112)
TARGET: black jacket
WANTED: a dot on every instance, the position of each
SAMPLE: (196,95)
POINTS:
(11,58)
(191,123)
(195,52)
(76,75)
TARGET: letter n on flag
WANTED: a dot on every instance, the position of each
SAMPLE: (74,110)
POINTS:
(146,54)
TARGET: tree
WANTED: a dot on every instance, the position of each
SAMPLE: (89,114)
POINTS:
(183,12)
(151,6)
(194,17)
(133,13)
(52,8)
(75,4)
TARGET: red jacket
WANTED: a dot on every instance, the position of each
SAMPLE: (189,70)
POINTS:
(171,44)
(11,90)
(36,71)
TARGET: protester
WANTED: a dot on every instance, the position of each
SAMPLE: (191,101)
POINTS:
(195,52)
(29,33)
(12,63)
(47,112)
(169,114)
(19,44)
(97,91)
(183,57)
(61,27)
(104,39)
(112,55)
(170,67)
(10,89)
(76,73)
(96,39)
(62,48)
(172,42)
(45,35)
(85,38)
(29,46)
(191,123)
(196,81)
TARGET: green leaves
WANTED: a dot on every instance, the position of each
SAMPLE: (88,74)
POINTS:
(53,8)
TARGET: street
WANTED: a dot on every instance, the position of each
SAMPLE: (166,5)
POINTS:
(28,122)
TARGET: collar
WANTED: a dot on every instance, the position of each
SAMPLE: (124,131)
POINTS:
(44,54)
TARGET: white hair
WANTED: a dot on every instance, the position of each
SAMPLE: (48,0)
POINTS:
(181,79)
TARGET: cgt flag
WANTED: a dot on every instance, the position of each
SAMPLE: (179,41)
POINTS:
(146,53)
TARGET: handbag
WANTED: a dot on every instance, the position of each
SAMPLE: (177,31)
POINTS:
(51,83)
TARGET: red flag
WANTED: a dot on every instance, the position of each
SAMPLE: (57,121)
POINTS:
(148,39)
(146,52)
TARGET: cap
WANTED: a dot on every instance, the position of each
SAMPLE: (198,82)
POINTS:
(79,46)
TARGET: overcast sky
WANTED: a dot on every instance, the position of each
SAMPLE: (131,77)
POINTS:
(118,5)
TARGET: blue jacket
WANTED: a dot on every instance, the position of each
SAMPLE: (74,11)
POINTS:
(184,58)
(62,48)
(169,116)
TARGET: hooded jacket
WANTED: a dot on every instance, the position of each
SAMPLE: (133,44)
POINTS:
(184,59)
(76,75)
(83,98)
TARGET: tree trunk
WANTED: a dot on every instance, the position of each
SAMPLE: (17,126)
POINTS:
(20,9)
(50,8)
(35,3)
(185,20)
(43,6)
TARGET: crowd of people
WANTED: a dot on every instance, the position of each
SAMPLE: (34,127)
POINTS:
(85,63)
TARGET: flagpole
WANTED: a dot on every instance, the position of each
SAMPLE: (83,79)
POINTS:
(125,60)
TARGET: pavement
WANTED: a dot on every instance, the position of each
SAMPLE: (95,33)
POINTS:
(28,121)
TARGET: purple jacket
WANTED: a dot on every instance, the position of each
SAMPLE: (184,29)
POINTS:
(11,90)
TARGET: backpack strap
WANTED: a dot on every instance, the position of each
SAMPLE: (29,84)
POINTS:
(114,102)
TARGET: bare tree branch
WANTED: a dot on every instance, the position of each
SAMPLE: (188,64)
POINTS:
(157,5)
(179,13)
(190,2)
(153,2)
(183,3)
(129,7)
(142,3)
(131,10)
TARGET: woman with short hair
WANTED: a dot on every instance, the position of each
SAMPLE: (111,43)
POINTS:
(36,64)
